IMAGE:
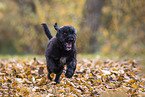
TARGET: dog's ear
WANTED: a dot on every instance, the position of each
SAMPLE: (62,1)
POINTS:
(56,27)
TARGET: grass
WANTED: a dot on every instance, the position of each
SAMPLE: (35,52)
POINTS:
(140,59)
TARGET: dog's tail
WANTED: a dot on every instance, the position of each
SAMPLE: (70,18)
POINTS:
(46,30)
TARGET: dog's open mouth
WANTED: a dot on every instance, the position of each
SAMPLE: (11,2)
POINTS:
(68,46)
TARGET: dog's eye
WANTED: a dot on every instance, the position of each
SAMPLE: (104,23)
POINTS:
(64,33)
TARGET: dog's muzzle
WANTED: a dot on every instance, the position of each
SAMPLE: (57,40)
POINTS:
(69,44)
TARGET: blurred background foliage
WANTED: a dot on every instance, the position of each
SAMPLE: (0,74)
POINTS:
(106,27)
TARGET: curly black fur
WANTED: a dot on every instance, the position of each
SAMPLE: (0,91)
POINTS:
(61,51)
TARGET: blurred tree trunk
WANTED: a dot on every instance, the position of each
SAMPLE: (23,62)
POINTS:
(92,13)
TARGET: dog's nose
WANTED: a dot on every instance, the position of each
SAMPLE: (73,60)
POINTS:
(71,39)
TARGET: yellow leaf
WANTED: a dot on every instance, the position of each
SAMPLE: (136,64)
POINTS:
(2,80)
(125,84)
(29,76)
(52,75)
(75,92)
(16,69)
(111,84)
(28,69)
(90,74)
(101,83)
(98,62)
(14,84)
(7,65)
(62,91)
(105,77)
(25,91)
(131,81)
(132,93)
(139,68)
(2,69)
(18,89)
(114,69)
(61,84)
(44,86)
(132,73)
(134,86)
(58,85)
(130,61)
(45,66)
(20,76)
(71,89)
(79,82)
(62,74)
(98,80)
(23,61)
(119,78)
(79,76)
(66,86)
(141,89)
(89,64)
(18,60)
(29,72)
(141,83)
(90,89)
(84,79)
(72,96)
(42,80)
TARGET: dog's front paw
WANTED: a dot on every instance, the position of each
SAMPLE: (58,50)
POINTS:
(69,73)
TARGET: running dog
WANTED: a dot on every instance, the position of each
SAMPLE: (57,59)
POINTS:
(61,51)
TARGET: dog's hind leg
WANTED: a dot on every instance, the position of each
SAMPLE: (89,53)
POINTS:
(49,77)
(48,68)
(52,67)
(58,73)
(57,78)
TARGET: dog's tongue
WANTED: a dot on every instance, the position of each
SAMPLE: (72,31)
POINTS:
(69,44)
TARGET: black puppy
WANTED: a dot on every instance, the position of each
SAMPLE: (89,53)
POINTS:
(60,51)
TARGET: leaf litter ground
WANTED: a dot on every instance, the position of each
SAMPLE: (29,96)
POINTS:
(96,77)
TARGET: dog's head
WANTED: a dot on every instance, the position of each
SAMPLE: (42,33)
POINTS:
(66,35)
